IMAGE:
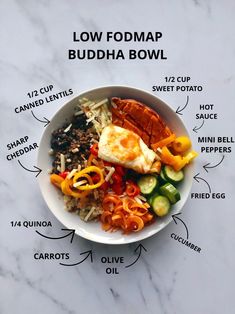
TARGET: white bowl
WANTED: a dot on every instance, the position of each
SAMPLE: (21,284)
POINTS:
(92,230)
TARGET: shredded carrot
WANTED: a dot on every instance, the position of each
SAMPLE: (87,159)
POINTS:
(110,201)
(124,213)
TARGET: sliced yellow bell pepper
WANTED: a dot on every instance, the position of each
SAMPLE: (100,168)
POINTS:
(177,162)
(56,180)
(67,189)
(181,144)
(84,173)
(190,156)
(166,156)
(165,142)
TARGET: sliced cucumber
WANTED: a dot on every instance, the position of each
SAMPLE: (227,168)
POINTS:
(151,197)
(162,176)
(173,176)
(147,183)
(170,192)
(161,205)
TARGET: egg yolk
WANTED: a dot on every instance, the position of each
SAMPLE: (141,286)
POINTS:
(131,146)
(125,144)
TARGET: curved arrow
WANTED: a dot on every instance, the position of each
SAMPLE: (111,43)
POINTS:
(139,247)
(45,121)
(175,216)
(178,110)
(196,178)
(72,232)
(207,167)
(38,170)
(89,254)
(195,129)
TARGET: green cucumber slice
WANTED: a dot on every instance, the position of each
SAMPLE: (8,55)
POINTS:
(162,176)
(147,183)
(161,205)
(173,176)
(151,197)
(170,192)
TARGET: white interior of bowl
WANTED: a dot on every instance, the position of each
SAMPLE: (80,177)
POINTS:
(92,230)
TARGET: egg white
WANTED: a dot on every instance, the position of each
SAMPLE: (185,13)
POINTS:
(124,147)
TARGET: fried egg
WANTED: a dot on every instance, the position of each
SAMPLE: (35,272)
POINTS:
(124,147)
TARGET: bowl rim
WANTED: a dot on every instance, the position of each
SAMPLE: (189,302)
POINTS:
(93,90)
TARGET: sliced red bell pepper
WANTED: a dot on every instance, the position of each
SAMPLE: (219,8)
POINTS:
(64,174)
(117,178)
(105,186)
(107,163)
(120,170)
(95,178)
(118,188)
(132,189)
(94,149)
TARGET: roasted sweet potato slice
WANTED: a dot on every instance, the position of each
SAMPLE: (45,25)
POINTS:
(140,119)
(145,137)
(118,113)
(119,102)
(118,122)
(129,126)
(149,127)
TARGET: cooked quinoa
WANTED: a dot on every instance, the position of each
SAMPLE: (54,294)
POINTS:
(72,205)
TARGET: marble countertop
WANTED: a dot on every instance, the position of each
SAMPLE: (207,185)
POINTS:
(198,39)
